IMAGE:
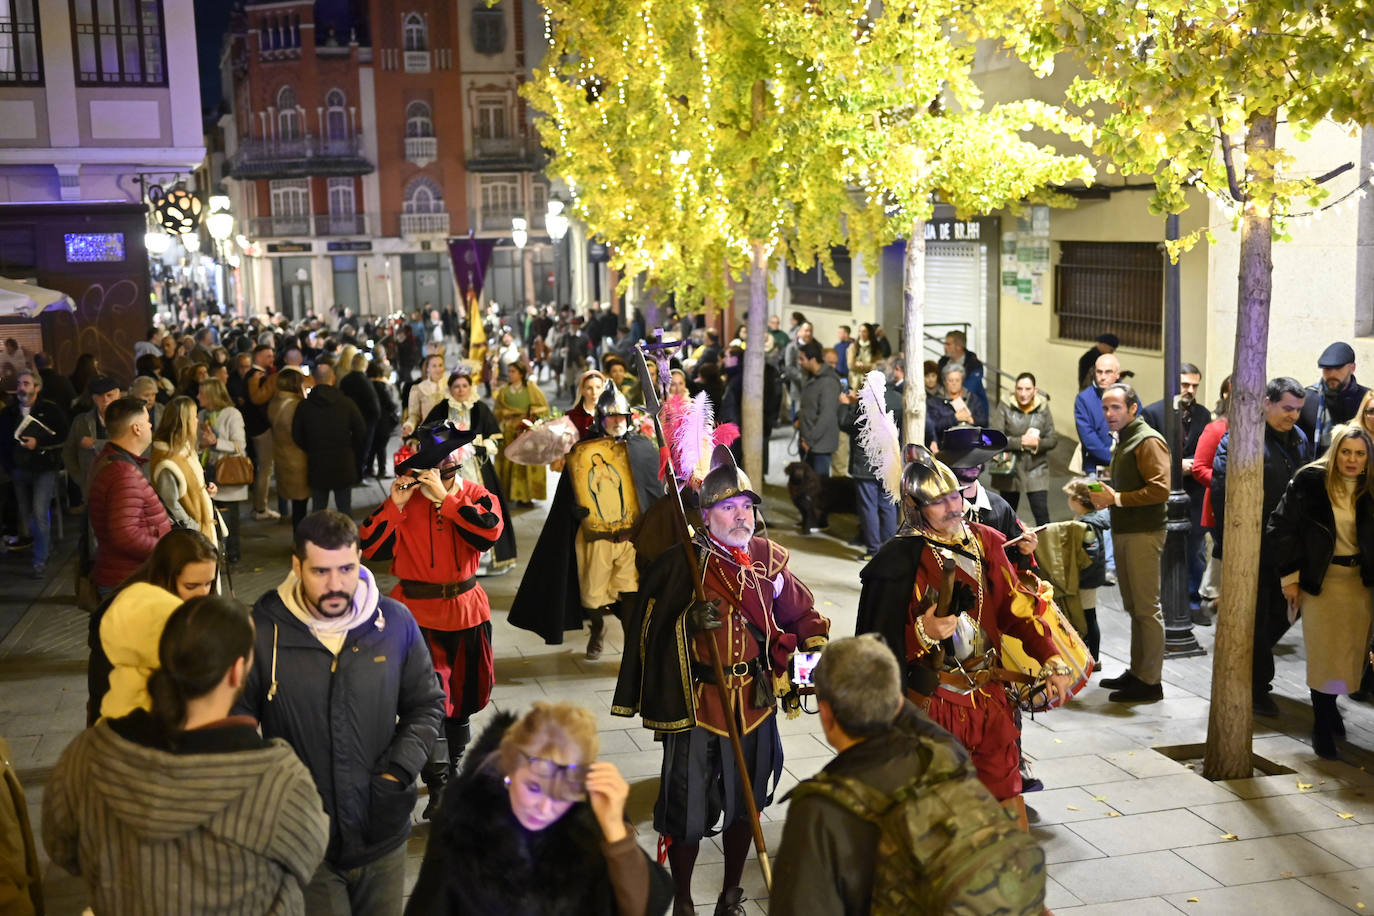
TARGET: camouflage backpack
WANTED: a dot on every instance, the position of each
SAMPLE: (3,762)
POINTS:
(945,845)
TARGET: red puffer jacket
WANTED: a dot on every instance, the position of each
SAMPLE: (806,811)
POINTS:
(127,517)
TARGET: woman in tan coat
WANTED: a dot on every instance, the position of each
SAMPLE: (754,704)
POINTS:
(176,472)
(1320,538)
(289,458)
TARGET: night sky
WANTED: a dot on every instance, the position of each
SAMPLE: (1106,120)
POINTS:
(212,21)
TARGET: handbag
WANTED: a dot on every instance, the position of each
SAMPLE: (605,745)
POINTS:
(1003,464)
(234,471)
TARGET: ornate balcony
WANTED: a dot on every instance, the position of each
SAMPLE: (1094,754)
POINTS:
(416,61)
(422,150)
(504,154)
(299,158)
(424,224)
(319,224)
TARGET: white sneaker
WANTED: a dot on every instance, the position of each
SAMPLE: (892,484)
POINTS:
(267,514)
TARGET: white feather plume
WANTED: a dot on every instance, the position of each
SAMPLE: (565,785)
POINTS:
(878,435)
(692,438)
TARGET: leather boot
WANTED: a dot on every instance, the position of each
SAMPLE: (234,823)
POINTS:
(594,641)
(435,774)
(683,908)
(731,902)
(458,733)
(1324,716)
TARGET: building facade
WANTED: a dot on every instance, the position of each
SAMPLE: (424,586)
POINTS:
(362,136)
(98,103)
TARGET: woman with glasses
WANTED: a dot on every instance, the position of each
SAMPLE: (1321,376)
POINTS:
(536,825)
(1321,536)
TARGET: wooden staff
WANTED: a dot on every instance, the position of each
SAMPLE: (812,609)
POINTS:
(647,383)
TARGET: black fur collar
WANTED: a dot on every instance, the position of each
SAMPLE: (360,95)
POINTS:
(492,865)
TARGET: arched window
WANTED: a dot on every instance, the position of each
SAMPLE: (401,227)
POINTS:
(416,32)
(423,196)
(336,115)
(419,122)
(288,115)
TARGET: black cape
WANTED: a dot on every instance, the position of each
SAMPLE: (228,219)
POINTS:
(548,601)
(655,679)
(884,598)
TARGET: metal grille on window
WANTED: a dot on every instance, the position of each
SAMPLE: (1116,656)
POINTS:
(118,42)
(1115,287)
(21,61)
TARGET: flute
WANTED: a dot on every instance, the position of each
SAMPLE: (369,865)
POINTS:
(445,474)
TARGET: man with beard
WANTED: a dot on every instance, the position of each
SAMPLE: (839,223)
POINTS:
(435,543)
(1332,401)
(32,430)
(758,613)
(1192,418)
(342,674)
(951,662)
(571,574)
(964,450)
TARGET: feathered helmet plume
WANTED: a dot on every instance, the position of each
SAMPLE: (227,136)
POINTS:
(878,435)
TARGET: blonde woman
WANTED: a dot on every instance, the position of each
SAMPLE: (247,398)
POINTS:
(222,434)
(535,785)
(425,395)
(1320,538)
(176,471)
(516,401)
(290,462)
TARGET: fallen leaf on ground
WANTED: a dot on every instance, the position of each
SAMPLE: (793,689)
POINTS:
(1058,740)
(1113,814)
(1229,836)
(1099,798)
(1303,786)
(1072,807)
(1192,900)
(1344,815)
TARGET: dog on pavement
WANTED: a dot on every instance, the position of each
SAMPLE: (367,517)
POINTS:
(816,497)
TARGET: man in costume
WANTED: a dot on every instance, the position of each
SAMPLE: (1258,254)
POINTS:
(758,613)
(434,528)
(580,569)
(950,643)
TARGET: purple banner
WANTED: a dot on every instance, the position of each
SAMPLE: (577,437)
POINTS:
(471,257)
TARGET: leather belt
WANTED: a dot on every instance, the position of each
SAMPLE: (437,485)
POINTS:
(970,680)
(1351,560)
(706,675)
(413,588)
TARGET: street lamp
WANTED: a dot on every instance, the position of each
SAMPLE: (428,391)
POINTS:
(221,226)
(157,243)
(556,221)
(191,242)
(519,234)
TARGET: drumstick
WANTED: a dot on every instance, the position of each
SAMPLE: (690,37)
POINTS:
(1023,534)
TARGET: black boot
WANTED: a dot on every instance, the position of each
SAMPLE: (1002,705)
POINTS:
(731,902)
(458,733)
(435,774)
(1324,717)
(594,640)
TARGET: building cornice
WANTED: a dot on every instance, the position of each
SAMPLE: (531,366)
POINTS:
(182,157)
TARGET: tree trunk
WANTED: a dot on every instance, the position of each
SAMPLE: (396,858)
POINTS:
(751,411)
(914,320)
(1228,754)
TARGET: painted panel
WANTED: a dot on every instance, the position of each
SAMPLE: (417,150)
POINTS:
(18,119)
(125,120)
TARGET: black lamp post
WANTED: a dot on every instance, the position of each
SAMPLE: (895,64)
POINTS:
(1179,641)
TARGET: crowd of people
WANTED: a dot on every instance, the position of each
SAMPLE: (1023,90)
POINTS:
(269,758)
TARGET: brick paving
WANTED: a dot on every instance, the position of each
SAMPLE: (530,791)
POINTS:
(1125,829)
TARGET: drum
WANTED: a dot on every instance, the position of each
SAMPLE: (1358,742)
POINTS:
(1068,644)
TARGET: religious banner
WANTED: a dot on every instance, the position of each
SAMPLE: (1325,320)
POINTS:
(604,485)
(471,257)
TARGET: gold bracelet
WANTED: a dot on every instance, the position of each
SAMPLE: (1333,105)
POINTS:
(1061,670)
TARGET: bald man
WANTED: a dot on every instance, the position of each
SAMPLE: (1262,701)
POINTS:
(1087,414)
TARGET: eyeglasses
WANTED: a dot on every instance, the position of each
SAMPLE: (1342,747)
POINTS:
(567,781)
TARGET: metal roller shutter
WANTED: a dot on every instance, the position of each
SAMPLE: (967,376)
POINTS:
(956,291)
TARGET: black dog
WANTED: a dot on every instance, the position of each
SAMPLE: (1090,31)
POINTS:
(816,497)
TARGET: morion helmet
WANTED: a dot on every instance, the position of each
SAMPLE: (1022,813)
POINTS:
(725,480)
(611,403)
(924,479)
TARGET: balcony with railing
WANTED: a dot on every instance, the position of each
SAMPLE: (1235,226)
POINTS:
(415,61)
(424,224)
(318,224)
(299,157)
(422,150)
(499,154)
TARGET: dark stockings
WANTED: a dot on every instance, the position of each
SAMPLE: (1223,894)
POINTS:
(737,839)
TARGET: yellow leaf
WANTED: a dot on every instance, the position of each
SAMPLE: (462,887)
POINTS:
(1058,740)
(1303,786)
(1192,900)
(1072,807)
(1099,798)
(1359,904)
(1113,814)
(1229,836)
(1344,815)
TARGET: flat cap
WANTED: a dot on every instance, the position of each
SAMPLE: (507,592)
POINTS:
(1338,354)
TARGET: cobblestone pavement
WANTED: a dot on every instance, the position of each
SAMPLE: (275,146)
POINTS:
(1125,828)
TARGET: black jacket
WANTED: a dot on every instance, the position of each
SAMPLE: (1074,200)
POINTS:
(1301,533)
(1341,407)
(360,391)
(330,430)
(825,862)
(1200,417)
(480,860)
(378,713)
(48,455)
(1284,453)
